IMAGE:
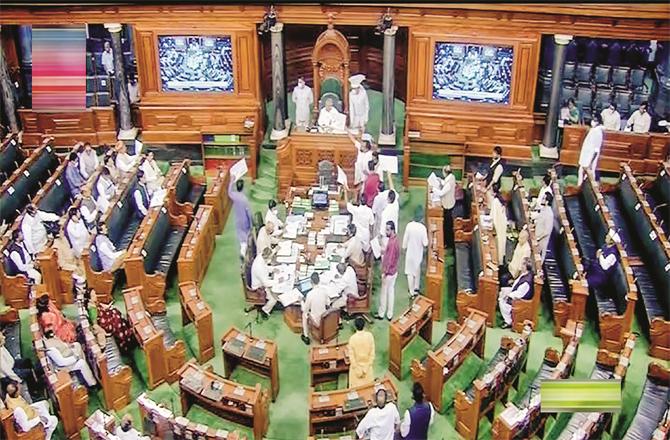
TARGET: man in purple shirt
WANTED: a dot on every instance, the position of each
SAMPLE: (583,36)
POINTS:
(73,176)
(390,259)
(242,213)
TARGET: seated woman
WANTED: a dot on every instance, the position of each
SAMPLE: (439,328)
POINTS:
(112,322)
(50,317)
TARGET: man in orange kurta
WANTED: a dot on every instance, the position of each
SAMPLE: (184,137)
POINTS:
(361,355)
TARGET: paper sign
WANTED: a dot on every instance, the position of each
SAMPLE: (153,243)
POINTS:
(239,169)
(138,146)
(376,247)
(388,163)
(433,180)
(341,177)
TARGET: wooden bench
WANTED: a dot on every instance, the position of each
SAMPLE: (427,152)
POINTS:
(163,354)
(591,221)
(651,414)
(648,257)
(216,196)
(122,224)
(492,384)
(151,255)
(416,320)
(511,423)
(442,361)
(566,288)
(184,191)
(434,284)
(198,246)
(657,194)
(195,310)
(107,365)
(10,430)
(160,423)
(69,397)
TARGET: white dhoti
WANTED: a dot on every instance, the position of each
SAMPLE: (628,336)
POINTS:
(504,304)
(387,297)
(359,107)
(303,99)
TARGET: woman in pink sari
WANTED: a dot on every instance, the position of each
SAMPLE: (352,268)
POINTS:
(50,317)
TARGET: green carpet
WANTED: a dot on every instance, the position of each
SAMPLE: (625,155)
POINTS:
(289,414)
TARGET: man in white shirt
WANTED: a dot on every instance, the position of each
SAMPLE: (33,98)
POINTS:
(272,215)
(141,196)
(21,258)
(347,284)
(88,161)
(447,194)
(414,242)
(260,279)
(152,172)
(77,232)
(18,370)
(266,237)
(110,258)
(353,247)
(303,98)
(639,121)
(588,157)
(359,105)
(124,161)
(27,416)
(68,357)
(381,421)
(363,218)
(390,212)
(363,156)
(108,58)
(544,224)
(315,305)
(88,207)
(521,288)
(105,185)
(546,188)
(330,119)
(33,229)
(611,117)
(125,430)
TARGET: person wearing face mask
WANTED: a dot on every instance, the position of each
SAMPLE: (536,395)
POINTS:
(640,120)
(611,117)
(272,215)
(521,288)
(381,421)
(588,157)
(303,99)
(359,105)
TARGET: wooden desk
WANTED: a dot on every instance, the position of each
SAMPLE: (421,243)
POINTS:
(418,319)
(435,265)
(198,246)
(239,403)
(298,158)
(641,150)
(327,362)
(443,361)
(96,125)
(194,309)
(258,355)
(341,410)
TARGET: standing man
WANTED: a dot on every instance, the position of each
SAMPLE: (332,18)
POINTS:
(107,58)
(588,157)
(152,173)
(447,194)
(380,422)
(88,161)
(363,156)
(390,259)
(370,187)
(359,105)
(34,231)
(141,196)
(522,288)
(362,217)
(361,355)
(418,418)
(414,242)
(242,213)
(303,99)
(495,172)
(391,211)
(77,232)
(353,247)
(639,121)
(315,305)
(544,224)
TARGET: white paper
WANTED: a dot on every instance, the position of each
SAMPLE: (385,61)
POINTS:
(138,147)
(158,197)
(388,163)
(433,180)
(341,177)
(292,297)
(239,169)
(376,247)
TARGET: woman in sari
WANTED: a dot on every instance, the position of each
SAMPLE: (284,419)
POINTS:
(113,323)
(50,317)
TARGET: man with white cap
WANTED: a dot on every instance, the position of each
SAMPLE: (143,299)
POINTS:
(358,104)
(364,155)
(303,99)
(330,119)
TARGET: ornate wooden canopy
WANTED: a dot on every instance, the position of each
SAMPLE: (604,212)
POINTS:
(330,59)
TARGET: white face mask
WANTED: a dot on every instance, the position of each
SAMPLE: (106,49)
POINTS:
(594,124)
(275,211)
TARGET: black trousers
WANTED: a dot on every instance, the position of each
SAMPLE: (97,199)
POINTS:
(448,227)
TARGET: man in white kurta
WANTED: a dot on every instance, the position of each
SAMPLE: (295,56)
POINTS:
(588,157)
(314,307)
(363,156)
(414,241)
(359,105)
(303,99)
(77,232)
(261,279)
(330,119)
(381,421)
(499,217)
(639,121)
(544,224)
(363,218)
(33,229)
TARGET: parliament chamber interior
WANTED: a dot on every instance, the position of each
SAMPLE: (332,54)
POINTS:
(334,221)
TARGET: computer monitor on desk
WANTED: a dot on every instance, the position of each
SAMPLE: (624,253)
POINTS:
(320,199)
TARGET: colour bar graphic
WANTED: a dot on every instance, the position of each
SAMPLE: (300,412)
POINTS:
(580,395)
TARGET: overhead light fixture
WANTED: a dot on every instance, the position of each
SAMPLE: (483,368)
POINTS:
(385,22)
(269,20)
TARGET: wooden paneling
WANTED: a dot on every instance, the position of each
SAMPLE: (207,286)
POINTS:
(96,125)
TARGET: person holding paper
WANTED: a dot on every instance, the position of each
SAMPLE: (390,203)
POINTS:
(260,279)
(330,119)
(415,241)
(364,155)
(390,259)
(315,305)
(446,192)
(521,288)
(242,212)
(370,187)
(361,350)
(363,218)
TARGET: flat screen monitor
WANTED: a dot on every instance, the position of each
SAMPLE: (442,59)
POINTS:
(320,199)
(196,63)
(472,72)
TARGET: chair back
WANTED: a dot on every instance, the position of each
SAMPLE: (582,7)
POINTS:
(328,329)
(326,172)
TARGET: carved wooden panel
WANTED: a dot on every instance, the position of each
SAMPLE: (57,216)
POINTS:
(96,125)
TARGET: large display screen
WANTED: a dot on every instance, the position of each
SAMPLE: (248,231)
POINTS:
(473,73)
(196,63)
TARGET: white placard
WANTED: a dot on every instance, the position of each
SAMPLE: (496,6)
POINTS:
(138,147)
(388,163)
(341,177)
(433,180)
(239,169)
(376,247)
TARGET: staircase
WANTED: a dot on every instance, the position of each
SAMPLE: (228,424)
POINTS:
(265,186)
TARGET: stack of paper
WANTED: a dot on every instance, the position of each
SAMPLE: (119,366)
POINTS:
(291,297)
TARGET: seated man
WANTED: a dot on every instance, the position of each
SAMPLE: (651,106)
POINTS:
(314,306)
(266,237)
(521,288)
(521,252)
(110,258)
(105,185)
(124,161)
(73,175)
(152,173)
(272,215)
(125,430)
(21,259)
(599,272)
(27,416)
(88,208)
(19,371)
(260,279)
(68,357)
(77,233)
(346,283)
(353,247)
(330,119)
(34,230)
(68,262)
(141,196)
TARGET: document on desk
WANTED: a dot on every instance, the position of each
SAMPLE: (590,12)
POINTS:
(284,279)
(284,248)
(338,224)
(290,298)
